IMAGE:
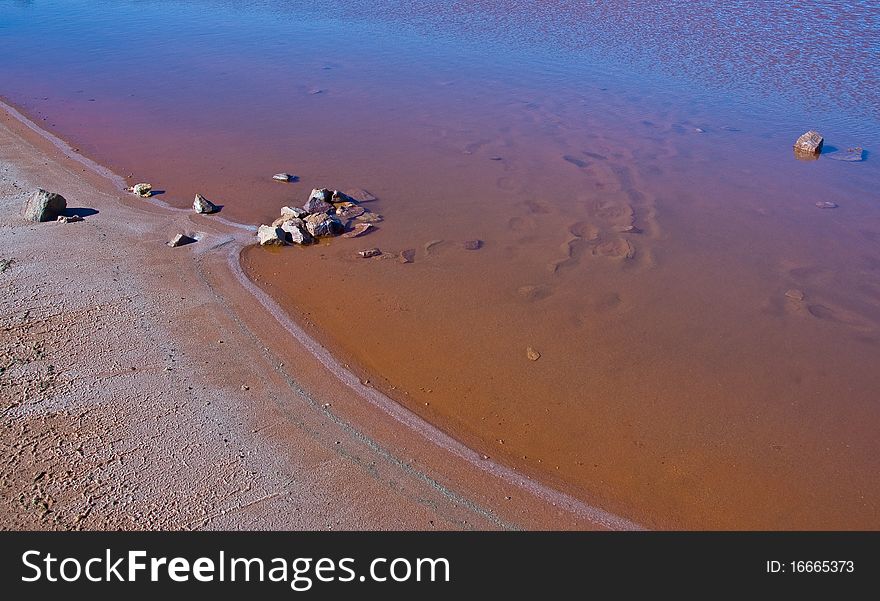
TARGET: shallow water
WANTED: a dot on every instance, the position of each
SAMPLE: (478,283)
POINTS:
(678,384)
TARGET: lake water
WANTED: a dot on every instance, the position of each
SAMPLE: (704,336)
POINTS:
(708,337)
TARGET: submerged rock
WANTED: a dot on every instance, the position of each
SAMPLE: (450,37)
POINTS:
(408,255)
(203,205)
(850,155)
(368,217)
(359,230)
(370,252)
(827,204)
(271,236)
(473,244)
(358,195)
(296,231)
(43,206)
(321,225)
(142,190)
(809,144)
(180,240)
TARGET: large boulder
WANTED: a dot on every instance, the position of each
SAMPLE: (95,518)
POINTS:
(203,205)
(296,231)
(322,224)
(271,236)
(43,206)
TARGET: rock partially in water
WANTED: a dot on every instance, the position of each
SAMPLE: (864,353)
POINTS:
(359,230)
(203,205)
(296,230)
(43,206)
(282,177)
(532,354)
(827,204)
(370,252)
(69,218)
(319,201)
(809,144)
(368,217)
(271,236)
(408,255)
(350,211)
(142,190)
(322,225)
(850,155)
(473,244)
(180,240)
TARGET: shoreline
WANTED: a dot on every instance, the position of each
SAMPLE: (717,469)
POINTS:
(416,449)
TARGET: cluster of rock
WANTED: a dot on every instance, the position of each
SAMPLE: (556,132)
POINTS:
(325,214)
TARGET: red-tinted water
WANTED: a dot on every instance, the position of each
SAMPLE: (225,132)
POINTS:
(713,366)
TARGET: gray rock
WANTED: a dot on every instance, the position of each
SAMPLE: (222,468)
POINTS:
(296,231)
(282,177)
(293,213)
(322,224)
(317,205)
(43,206)
(203,205)
(143,190)
(180,240)
(271,236)
(370,252)
(473,244)
(809,144)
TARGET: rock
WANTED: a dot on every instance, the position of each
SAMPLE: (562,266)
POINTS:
(795,294)
(408,255)
(809,144)
(532,354)
(282,177)
(293,213)
(338,197)
(180,240)
(296,231)
(271,236)
(851,155)
(203,205)
(69,218)
(473,244)
(322,224)
(370,252)
(43,206)
(827,204)
(350,211)
(318,202)
(359,230)
(359,195)
(368,217)
(142,190)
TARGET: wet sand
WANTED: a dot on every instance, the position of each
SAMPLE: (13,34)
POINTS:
(145,388)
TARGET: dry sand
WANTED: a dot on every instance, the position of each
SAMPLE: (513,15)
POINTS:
(143,387)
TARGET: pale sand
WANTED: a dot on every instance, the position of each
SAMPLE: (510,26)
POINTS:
(122,408)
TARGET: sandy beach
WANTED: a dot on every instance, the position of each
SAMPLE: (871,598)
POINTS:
(145,388)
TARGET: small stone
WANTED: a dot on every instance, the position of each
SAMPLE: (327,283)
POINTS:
(827,204)
(180,240)
(142,190)
(69,218)
(370,252)
(809,144)
(43,206)
(408,255)
(795,294)
(473,244)
(322,225)
(245,387)
(296,230)
(203,205)
(271,236)
(627,229)
(532,354)
(282,177)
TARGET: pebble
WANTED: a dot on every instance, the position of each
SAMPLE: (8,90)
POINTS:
(532,354)
(370,252)
(282,177)
(825,204)
(473,244)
